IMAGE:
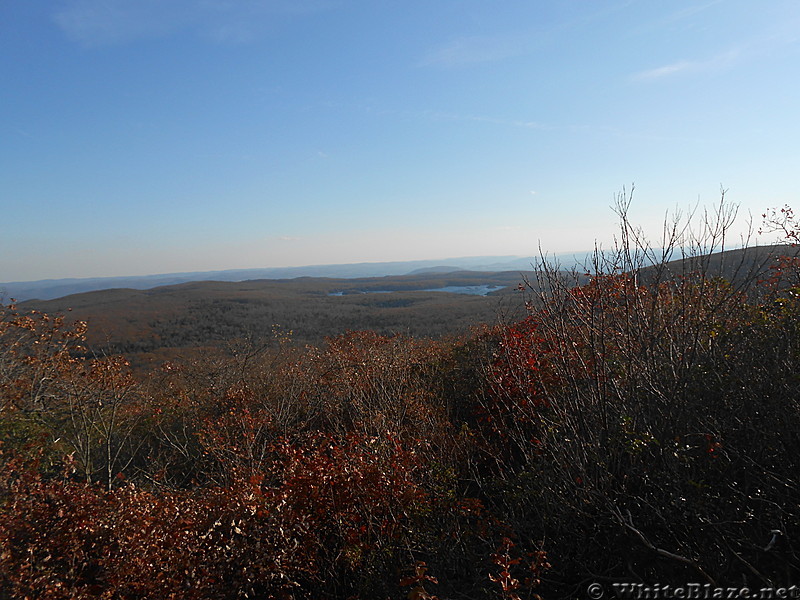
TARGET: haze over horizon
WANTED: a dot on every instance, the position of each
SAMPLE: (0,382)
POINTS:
(149,136)
(444,261)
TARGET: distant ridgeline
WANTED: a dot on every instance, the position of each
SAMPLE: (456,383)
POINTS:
(49,289)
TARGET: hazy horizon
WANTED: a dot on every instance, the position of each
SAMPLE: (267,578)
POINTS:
(443,262)
(177,136)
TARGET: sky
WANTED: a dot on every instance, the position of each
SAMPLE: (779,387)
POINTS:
(157,136)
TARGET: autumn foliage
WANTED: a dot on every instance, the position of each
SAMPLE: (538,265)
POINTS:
(640,424)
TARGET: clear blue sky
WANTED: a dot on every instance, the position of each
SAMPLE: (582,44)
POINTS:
(151,136)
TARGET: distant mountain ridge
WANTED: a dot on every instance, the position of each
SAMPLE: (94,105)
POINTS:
(438,269)
(49,289)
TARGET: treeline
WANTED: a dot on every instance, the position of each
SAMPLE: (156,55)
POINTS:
(639,428)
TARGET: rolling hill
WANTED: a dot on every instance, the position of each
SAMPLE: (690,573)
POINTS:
(157,323)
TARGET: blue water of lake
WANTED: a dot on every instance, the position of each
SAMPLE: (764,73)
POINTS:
(473,290)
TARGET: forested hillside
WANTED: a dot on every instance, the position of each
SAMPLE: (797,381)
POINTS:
(641,427)
(150,326)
